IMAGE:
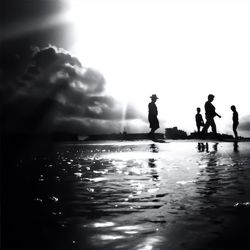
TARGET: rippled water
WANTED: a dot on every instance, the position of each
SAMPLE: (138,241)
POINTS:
(133,195)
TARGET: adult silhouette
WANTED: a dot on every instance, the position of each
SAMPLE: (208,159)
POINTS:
(235,121)
(210,114)
(199,120)
(152,115)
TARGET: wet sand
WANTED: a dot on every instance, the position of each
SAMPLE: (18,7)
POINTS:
(127,195)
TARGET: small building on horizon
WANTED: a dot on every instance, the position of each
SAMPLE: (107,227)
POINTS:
(175,133)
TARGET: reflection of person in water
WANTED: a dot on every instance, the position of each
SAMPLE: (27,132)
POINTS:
(154,148)
(215,146)
(153,170)
(199,120)
(152,115)
(212,172)
(201,146)
(210,114)
(152,163)
(236,147)
(209,178)
(235,121)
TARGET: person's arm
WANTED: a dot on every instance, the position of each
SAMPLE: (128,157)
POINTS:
(218,115)
(202,121)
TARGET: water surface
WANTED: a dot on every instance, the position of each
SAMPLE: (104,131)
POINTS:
(130,195)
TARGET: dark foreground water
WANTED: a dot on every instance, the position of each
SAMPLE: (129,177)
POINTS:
(128,195)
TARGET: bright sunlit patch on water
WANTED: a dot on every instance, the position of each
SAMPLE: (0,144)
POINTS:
(104,224)
(150,243)
(53,198)
(97,179)
(117,143)
(137,186)
(111,237)
(185,182)
(153,190)
(242,204)
(125,156)
(130,232)
(128,228)
(78,174)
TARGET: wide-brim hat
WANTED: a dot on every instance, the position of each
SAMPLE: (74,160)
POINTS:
(154,96)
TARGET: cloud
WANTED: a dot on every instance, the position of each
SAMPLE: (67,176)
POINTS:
(245,124)
(56,92)
(243,128)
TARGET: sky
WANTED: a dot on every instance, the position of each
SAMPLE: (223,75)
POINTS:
(91,66)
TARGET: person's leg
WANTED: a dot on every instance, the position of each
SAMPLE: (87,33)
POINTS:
(205,128)
(152,134)
(213,125)
(199,128)
(235,125)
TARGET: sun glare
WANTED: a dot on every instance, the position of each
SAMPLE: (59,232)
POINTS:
(107,41)
(174,50)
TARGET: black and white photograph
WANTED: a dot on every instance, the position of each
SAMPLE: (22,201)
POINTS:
(125,124)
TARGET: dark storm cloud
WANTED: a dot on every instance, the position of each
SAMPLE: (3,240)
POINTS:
(57,92)
(21,18)
(89,126)
(16,10)
(245,124)
(25,23)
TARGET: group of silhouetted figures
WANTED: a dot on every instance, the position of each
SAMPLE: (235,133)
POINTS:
(210,114)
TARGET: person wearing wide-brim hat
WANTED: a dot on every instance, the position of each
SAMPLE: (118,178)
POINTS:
(152,114)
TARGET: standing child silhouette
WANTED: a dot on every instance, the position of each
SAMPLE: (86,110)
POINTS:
(199,120)
(235,121)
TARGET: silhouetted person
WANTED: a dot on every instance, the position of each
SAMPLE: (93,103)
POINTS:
(199,120)
(152,115)
(210,114)
(235,121)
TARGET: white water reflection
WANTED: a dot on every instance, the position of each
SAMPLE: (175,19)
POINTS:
(132,196)
(122,228)
(104,224)
(150,243)
(111,237)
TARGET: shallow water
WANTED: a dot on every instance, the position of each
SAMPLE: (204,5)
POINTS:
(131,195)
